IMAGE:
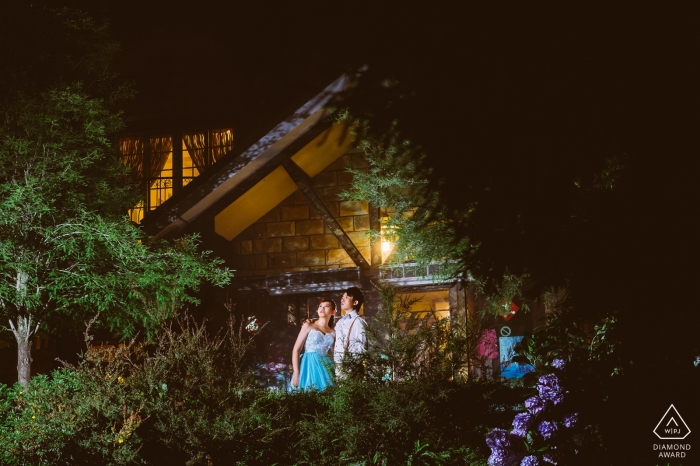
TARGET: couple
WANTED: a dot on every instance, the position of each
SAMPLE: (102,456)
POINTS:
(314,369)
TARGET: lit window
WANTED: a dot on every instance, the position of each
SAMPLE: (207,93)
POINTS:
(221,143)
(153,164)
(160,171)
(194,156)
(131,150)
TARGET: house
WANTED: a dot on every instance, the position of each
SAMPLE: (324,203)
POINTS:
(273,211)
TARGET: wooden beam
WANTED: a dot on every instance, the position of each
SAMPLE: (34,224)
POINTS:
(458,302)
(177,161)
(304,182)
(375,224)
(214,209)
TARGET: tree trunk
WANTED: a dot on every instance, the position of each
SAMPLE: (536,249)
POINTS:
(23,333)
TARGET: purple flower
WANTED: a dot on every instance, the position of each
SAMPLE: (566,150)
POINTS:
(554,395)
(559,364)
(550,458)
(521,424)
(549,380)
(530,461)
(498,438)
(502,457)
(549,389)
(535,404)
(547,429)
(570,420)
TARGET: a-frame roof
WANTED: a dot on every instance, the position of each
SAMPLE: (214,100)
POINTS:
(238,172)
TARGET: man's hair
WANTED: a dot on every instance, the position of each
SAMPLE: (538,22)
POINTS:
(356,294)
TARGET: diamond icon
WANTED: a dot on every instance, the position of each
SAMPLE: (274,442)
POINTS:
(672,426)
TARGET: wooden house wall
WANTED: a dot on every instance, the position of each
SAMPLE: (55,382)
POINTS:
(293,238)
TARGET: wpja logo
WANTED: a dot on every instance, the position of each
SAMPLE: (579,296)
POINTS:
(672,427)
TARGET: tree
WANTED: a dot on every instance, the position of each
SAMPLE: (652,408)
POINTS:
(68,250)
(561,145)
(539,164)
(423,230)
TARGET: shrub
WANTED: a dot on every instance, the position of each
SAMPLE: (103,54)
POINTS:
(67,419)
(191,398)
(185,398)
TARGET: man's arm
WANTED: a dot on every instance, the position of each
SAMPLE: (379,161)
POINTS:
(358,337)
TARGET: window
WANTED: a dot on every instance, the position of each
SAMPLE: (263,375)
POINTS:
(194,158)
(160,165)
(160,171)
(132,150)
(221,143)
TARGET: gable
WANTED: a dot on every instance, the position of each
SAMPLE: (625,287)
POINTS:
(292,236)
(278,185)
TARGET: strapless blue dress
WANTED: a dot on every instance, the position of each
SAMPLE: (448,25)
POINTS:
(316,368)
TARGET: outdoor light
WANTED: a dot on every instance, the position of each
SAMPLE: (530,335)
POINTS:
(386,235)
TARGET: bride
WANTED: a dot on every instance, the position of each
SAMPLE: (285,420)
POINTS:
(317,337)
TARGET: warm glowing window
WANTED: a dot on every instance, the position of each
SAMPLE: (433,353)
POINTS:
(132,150)
(221,143)
(160,171)
(201,150)
(427,301)
(155,163)
(194,156)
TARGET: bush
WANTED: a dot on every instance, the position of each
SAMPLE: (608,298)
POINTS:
(189,398)
(409,422)
(185,398)
(67,419)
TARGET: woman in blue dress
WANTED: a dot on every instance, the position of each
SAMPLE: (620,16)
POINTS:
(314,369)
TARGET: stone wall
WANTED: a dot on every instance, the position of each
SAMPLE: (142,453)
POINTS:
(293,238)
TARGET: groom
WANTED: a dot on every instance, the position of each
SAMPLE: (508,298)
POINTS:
(350,337)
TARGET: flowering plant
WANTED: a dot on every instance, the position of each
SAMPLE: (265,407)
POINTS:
(546,433)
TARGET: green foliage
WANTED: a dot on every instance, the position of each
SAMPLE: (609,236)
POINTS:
(408,396)
(425,235)
(67,249)
(406,346)
(410,422)
(397,179)
(68,419)
(189,398)
(589,347)
(594,371)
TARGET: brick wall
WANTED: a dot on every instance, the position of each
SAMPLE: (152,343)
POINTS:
(293,238)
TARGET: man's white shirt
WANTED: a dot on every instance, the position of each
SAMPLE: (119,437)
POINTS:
(358,339)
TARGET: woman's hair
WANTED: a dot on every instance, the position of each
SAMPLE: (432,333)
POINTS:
(323,299)
(331,320)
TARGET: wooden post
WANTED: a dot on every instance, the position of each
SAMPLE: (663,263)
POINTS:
(147,174)
(304,183)
(457,296)
(177,161)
